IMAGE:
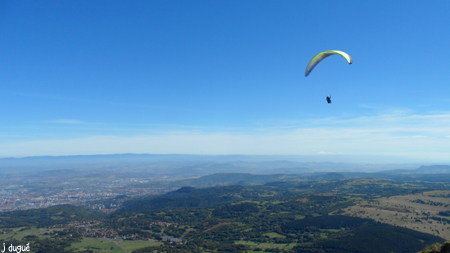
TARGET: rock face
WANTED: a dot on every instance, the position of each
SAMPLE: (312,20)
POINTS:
(438,248)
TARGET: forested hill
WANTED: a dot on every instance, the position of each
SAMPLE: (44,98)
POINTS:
(247,179)
(189,197)
(292,215)
(203,197)
(286,216)
(437,248)
(50,216)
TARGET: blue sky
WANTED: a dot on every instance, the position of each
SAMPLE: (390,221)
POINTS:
(224,77)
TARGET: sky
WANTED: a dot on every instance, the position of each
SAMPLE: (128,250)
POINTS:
(225,77)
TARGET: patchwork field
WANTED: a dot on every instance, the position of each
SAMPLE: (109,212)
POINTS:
(420,212)
(112,245)
(21,232)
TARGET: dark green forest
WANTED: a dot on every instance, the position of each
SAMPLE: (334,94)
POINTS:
(288,216)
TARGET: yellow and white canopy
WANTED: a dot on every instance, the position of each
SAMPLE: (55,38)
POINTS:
(319,57)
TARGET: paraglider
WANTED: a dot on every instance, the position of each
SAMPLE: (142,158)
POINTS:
(320,56)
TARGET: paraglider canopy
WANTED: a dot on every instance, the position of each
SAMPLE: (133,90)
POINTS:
(320,56)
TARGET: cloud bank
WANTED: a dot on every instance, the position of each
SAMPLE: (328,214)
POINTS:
(397,133)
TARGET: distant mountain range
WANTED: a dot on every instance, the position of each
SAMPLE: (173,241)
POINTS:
(247,179)
(197,165)
(433,169)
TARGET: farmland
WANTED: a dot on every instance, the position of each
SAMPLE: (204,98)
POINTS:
(420,212)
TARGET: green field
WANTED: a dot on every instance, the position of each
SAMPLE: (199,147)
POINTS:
(97,245)
(287,216)
(267,245)
(21,232)
(138,244)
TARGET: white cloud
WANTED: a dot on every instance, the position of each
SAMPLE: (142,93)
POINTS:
(66,121)
(398,133)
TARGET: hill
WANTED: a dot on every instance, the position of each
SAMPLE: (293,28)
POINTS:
(437,248)
(290,216)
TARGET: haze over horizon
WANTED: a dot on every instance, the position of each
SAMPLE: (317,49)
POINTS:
(356,162)
(224,78)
